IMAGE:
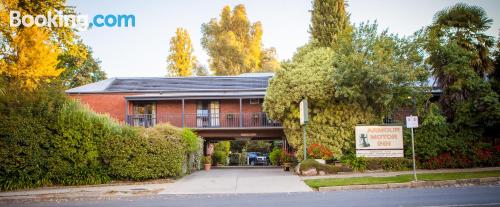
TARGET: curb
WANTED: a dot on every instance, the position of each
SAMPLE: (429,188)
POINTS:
(418,184)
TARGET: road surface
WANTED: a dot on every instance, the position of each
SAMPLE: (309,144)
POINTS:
(455,196)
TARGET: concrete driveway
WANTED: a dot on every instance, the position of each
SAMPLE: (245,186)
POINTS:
(227,181)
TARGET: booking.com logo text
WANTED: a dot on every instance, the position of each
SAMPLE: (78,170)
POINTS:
(80,22)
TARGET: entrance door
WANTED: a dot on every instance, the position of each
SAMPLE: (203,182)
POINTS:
(207,114)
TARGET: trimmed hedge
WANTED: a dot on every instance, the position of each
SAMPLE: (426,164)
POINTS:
(139,154)
(390,164)
(47,139)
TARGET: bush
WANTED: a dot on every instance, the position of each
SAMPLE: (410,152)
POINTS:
(318,151)
(329,169)
(391,164)
(356,163)
(275,156)
(139,154)
(49,139)
(221,153)
(234,159)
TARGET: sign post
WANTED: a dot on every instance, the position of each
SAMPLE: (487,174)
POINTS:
(304,118)
(412,122)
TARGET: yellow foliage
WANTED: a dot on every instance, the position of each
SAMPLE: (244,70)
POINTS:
(33,58)
(181,59)
(234,44)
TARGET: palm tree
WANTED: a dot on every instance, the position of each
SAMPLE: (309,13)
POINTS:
(466,25)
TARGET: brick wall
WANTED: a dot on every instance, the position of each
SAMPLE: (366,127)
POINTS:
(111,104)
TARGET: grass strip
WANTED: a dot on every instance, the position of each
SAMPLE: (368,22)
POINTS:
(316,183)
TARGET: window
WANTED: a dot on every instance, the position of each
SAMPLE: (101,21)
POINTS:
(144,114)
(207,114)
(254,101)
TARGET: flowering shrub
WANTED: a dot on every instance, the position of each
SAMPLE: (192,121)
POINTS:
(318,151)
(286,157)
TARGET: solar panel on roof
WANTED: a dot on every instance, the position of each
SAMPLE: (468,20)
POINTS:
(188,83)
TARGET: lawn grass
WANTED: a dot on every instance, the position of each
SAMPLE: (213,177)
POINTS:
(316,183)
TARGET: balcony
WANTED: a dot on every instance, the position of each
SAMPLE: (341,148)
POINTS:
(205,121)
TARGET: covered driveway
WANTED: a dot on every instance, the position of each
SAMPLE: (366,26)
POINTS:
(238,180)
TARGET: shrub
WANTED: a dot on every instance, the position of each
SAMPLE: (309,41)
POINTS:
(139,154)
(275,156)
(221,153)
(191,140)
(235,158)
(356,163)
(207,160)
(329,169)
(392,164)
(318,151)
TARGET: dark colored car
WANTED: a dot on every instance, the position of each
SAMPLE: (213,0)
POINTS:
(257,158)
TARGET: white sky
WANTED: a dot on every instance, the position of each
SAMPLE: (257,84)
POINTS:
(141,51)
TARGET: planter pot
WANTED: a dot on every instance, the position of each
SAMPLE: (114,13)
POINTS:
(207,167)
(322,161)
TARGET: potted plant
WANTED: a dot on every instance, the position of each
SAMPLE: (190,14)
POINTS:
(286,159)
(207,161)
(319,152)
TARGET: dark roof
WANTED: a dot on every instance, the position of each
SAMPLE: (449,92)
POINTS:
(177,84)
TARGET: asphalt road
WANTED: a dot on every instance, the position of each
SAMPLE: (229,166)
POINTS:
(456,196)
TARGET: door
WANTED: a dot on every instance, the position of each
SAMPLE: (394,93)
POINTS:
(144,114)
(207,114)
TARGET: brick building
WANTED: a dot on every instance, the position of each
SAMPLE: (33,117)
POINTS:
(216,107)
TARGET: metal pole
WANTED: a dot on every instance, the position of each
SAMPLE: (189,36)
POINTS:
(413,151)
(305,143)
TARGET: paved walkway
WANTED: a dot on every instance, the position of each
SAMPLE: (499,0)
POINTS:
(395,173)
(228,181)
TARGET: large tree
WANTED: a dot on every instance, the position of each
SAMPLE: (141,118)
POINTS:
(181,60)
(72,55)
(460,59)
(80,70)
(366,78)
(329,19)
(233,43)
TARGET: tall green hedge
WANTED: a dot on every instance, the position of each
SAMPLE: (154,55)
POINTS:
(47,139)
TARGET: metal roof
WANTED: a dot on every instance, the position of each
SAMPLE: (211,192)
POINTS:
(177,84)
(198,95)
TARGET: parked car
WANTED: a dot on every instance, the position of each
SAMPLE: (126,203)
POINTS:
(258,158)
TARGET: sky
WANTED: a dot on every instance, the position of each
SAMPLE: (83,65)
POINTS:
(141,51)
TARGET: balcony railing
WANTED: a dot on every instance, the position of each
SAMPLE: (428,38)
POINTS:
(210,120)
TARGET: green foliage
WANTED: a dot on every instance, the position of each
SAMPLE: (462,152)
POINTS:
(329,169)
(391,164)
(259,146)
(221,152)
(328,20)
(275,156)
(81,68)
(207,160)
(235,159)
(48,139)
(356,163)
(459,57)
(139,154)
(192,140)
(367,76)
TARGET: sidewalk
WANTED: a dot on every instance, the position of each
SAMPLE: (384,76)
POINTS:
(105,190)
(395,173)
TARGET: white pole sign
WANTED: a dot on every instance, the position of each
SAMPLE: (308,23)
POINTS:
(304,113)
(412,122)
